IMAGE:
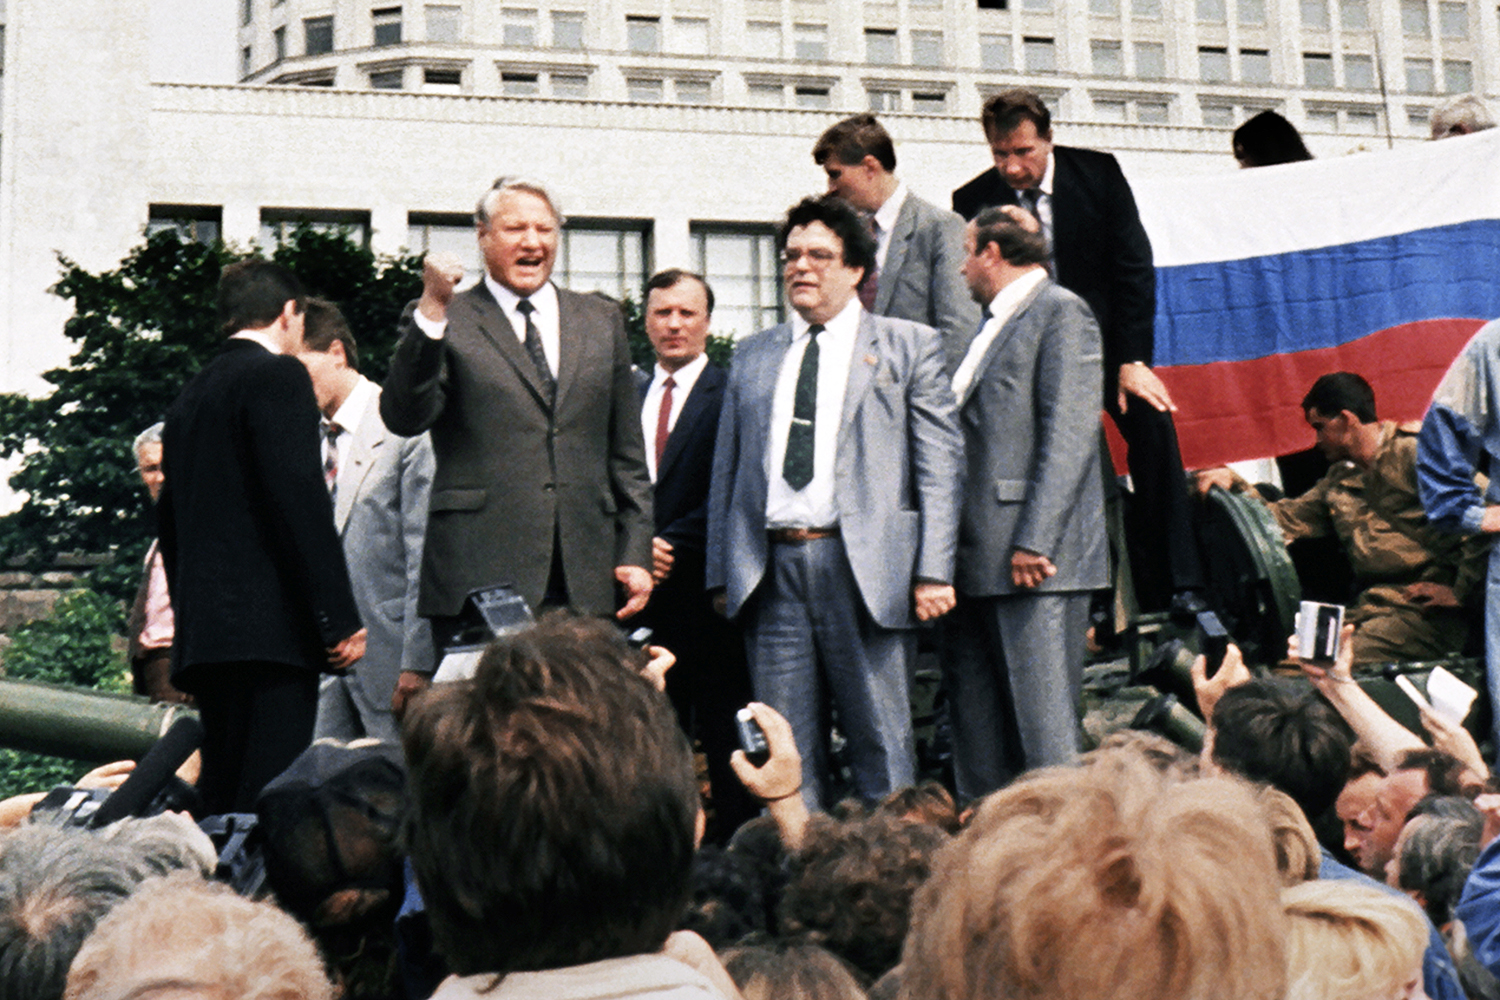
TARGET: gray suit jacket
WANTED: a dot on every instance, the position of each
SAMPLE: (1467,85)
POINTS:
(896,472)
(381,514)
(514,472)
(921,281)
(1031,431)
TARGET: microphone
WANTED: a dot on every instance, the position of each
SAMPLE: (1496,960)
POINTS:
(155,770)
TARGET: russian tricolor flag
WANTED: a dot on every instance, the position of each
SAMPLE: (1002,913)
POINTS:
(1380,263)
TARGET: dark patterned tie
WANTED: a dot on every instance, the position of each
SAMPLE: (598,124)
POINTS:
(797,466)
(331,432)
(1031,200)
(664,421)
(534,348)
(870,287)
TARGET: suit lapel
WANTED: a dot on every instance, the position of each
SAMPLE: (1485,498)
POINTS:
(363,450)
(705,391)
(498,331)
(1007,332)
(764,383)
(1066,213)
(863,361)
(895,254)
(572,341)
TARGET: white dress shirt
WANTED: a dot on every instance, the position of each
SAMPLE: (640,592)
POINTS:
(885,221)
(1001,308)
(814,505)
(348,417)
(683,381)
(548,325)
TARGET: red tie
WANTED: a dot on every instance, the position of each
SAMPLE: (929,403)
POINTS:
(664,421)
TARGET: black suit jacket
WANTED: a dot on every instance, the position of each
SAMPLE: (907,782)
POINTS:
(253,562)
(1100,249)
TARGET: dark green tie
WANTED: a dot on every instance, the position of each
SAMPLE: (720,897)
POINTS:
(797,467)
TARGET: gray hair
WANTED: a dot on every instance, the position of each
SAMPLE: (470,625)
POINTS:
(56,883)
(508,183)
(1437,854)
(151,435)
(1460,116)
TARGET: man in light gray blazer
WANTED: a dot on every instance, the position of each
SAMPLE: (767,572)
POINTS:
(1031,542)
(834,502)
(919,247)
(380,484)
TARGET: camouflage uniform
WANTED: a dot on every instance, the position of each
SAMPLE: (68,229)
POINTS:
(1383,530)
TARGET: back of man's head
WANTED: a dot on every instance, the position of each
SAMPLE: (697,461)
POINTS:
(1017,245)
(252,293)
(851,140)
(1336,392)
(55,885)
(323,324)
(1463,115)
(1283,733)
(554,804)
(1445,773)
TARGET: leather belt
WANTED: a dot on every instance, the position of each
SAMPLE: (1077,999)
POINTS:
(796,536)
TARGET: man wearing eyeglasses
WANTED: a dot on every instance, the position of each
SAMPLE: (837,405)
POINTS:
(834,504)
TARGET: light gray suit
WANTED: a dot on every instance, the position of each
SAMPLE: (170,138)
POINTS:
(1031,431)
(840,603)
(921,281)
(380,510)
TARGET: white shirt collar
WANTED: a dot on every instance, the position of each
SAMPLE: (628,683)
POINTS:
(353,408)
(683,378)
(845,323)
(885,215)
(544,298)
(260,337)
(1005,301)
(1000,308)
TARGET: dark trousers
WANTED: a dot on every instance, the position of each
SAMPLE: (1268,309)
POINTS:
(257,718)
(1165,549)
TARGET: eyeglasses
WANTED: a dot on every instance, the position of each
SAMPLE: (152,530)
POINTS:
(816,257)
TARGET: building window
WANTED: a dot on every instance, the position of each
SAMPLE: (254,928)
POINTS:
(247,12)
(880,46)
(567,29)
(191,223)
(317,35)
(643,34)
(1251,13)
(1106,58)
(245,61)
(518,27)
(1255,65)
(1213,65)
(1362,122)
(935,103)
(1354,15)
(1317,69)
(693,91)
(603,257)
(927,48)
(1210,11)
(767,95)
(644,90)
(1104,8)
(278,43)
(994,53)
(884,100)
(1040,55)
(390,79)
(1419,120)
(740,262)
(446,232)
(1419,76)
(1414,23)
(1320,120)
(278,224)
(818,98)
(1111,111)
(1315,14)
(443,22)
(690,35)
(1037,6)
(810,42)
(1359,72)
(1453,19)
(763,39)
(1145,10)
(520,84)
(443,81)
(569,85)
(1152,112)
(993,4)
(1218,116)
(1150,60)
(387,22)
(1458,76)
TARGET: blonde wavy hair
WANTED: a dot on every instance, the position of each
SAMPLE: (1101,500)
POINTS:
(1348,941)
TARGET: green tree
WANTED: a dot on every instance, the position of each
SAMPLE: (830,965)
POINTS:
(141,330)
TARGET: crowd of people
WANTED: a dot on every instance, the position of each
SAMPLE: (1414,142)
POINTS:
(919,443)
